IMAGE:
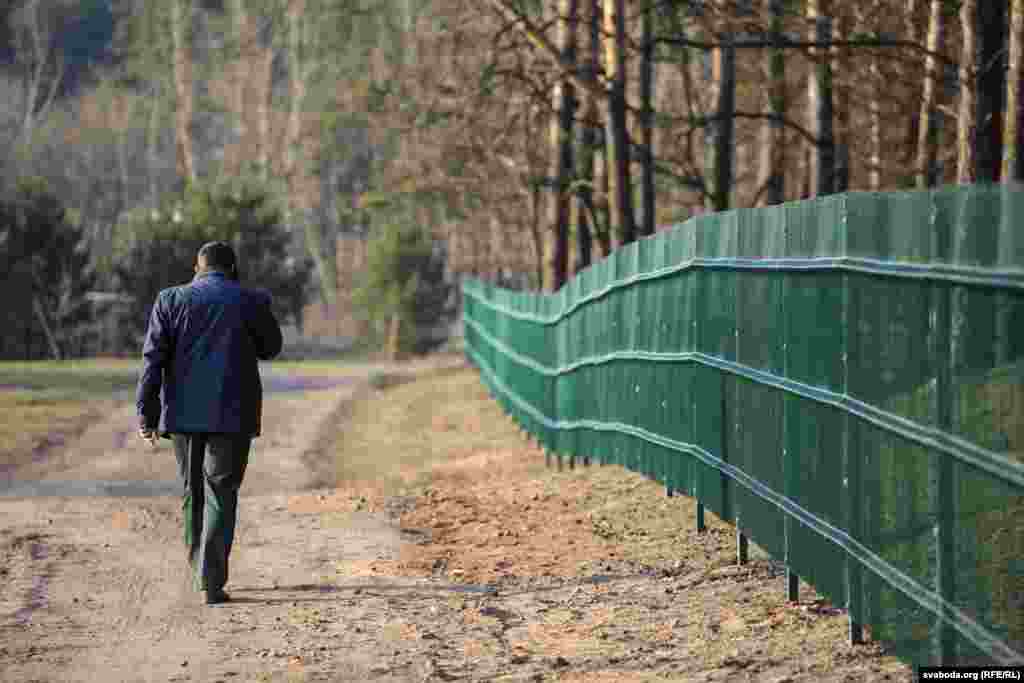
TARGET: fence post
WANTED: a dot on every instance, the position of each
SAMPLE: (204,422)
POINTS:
(949,322)
(944,496)
(742,550)
(701,527)
(945,574)
(854,580)
(792,586)
(851,461)
(789,468)
(726,502)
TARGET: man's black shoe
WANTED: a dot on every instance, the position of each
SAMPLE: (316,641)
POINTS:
(217,597)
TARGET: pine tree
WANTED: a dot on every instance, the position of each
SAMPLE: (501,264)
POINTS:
(404,289)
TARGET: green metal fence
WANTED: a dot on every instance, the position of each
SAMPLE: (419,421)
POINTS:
(842,379)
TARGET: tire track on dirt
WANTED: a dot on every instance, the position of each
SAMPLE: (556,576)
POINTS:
(27,573)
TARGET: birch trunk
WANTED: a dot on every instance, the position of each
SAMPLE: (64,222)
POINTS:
(875,126)
(1013,128)
(819,100)
(966,171)
(927,172)
(913,31)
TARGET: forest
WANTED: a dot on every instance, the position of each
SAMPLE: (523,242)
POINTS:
(516,141)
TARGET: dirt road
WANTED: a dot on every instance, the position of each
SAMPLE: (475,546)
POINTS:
(93,584)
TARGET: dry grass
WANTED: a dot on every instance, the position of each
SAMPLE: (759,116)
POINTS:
(401,438)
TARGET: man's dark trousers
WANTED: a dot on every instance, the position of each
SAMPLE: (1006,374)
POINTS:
(211,467)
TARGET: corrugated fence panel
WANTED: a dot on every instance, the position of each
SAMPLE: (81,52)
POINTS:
(842,378)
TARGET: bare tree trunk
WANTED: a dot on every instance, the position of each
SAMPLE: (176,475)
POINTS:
(819,100)
(296,47)
(806,172)
(601,219)
(981,91)
(394,336)
(841,113)
(772,176)
(38,94)
(303,187)
(647,68)
(966,166)
(927,172)
(51,339)
(584,236)
(875,125)
(153,147)
(913,33)
(240,73)
(868,18)
(181,28)
(602,204)
(720,131)
(992,25)
(264,95)
(557,249)
(587,221)
(535,232)
(1013,165)
(620,199)
(1013,128)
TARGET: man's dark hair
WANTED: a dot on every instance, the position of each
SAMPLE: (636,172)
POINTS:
(218,256)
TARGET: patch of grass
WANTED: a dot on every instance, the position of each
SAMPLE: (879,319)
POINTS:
(40,403)
(393,438)
(69,379)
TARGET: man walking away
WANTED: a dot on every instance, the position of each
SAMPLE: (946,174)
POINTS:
(200,386)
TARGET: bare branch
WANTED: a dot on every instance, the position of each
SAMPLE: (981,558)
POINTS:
(790,43)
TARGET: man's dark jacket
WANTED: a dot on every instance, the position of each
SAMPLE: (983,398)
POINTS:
(200,370)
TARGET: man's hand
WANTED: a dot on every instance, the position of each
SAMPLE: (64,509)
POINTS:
(149,435)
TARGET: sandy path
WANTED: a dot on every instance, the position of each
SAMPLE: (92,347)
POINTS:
(93,584)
